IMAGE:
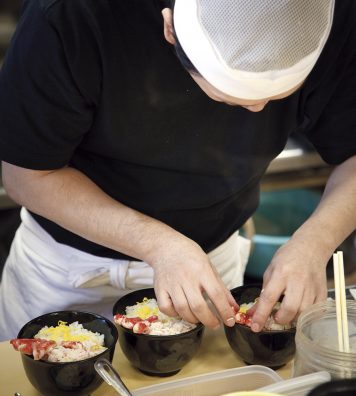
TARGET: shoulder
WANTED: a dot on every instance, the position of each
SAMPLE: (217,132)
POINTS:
(47,6)
(66,12)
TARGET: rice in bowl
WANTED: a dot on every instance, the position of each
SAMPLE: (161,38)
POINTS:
(62,343)
(146,318)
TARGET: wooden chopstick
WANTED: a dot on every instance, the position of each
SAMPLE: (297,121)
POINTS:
(340,334)
(345,324)
(340,302)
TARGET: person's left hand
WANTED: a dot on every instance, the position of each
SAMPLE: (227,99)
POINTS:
(297,271)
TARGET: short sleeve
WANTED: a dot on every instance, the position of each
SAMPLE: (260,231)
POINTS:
(44,114)
(334,134)
(165,4)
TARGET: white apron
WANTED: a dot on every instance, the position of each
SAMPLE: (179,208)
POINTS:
(42,275)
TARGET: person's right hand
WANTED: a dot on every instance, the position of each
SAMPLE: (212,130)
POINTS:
(182,275)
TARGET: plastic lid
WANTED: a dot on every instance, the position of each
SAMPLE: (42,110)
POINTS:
(215,384)
(298,386)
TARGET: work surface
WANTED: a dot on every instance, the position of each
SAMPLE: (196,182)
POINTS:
(214,355)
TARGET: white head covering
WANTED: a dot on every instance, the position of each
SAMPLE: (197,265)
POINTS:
(253,49)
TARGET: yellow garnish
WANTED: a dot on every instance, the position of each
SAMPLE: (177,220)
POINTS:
(62,332)
(96,348)
(144,310)
(243,308)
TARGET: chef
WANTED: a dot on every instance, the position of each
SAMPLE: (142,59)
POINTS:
(134,134)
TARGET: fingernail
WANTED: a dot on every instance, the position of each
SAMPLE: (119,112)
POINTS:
(255,327)
(216,327)
(230,321)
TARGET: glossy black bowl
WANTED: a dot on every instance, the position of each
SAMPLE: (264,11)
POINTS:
(343,387)
(71,378)
(153,354)
(273,348)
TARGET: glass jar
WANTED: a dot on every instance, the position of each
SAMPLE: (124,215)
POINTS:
(317,342)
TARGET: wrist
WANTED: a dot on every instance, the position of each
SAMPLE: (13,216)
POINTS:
(317,240)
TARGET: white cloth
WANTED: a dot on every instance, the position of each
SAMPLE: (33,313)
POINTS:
(42,275)
(253,49)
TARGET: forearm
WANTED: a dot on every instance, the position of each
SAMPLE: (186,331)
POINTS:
(73,201)
(182,270)
(335,217)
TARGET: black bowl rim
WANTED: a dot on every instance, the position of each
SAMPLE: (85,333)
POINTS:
(165,336)
(334,385)
(258,286)
(108,322)
(262,332)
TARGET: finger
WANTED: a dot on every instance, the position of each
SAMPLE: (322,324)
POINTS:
(223,304)
(265,304)
(200,308)
(252,310)
(233,303)
(266,278)
(290,305)
(182,305)
(309,298)
(164,302)
(230,298)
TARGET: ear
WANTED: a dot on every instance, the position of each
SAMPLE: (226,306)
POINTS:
(168,25)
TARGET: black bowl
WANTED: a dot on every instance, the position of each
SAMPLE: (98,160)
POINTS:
(344,387)
(75,378)
(152,354)
(273,348)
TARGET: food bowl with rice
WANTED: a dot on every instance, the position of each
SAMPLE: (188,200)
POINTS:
(273,347)
(59,349)
(153,342)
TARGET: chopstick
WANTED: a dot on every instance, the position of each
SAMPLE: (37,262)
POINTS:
(340,301)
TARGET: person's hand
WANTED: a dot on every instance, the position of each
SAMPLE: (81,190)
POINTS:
(182,276)
(296,271)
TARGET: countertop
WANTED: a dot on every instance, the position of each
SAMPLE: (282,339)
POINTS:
(214,355)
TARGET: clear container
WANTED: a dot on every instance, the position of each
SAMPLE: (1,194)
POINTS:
(317,342)
(298,386)
(214,384)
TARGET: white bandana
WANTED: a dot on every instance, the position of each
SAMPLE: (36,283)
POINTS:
(253,49)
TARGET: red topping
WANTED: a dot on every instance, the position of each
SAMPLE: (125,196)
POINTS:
(152,318)
(33,346)
(142,327)
(243,319)
(71,344)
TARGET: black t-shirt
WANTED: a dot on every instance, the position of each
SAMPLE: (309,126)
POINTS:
(93,84)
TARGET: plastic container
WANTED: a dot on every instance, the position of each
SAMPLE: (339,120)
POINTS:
(252,393)
(279,214)
(215,384)
(317,342)
(299,386)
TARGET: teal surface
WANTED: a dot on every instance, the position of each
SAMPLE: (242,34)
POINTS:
(279,214)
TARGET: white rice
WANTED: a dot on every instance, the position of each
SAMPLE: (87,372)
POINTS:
(165,325)
(88,343)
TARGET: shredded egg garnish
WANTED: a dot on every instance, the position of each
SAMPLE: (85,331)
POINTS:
(246,306)
(64,332)
(144,309)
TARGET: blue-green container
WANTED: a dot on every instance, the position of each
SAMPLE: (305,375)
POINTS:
(279,214)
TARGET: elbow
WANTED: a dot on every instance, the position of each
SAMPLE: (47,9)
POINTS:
(10,189)
(12,183)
